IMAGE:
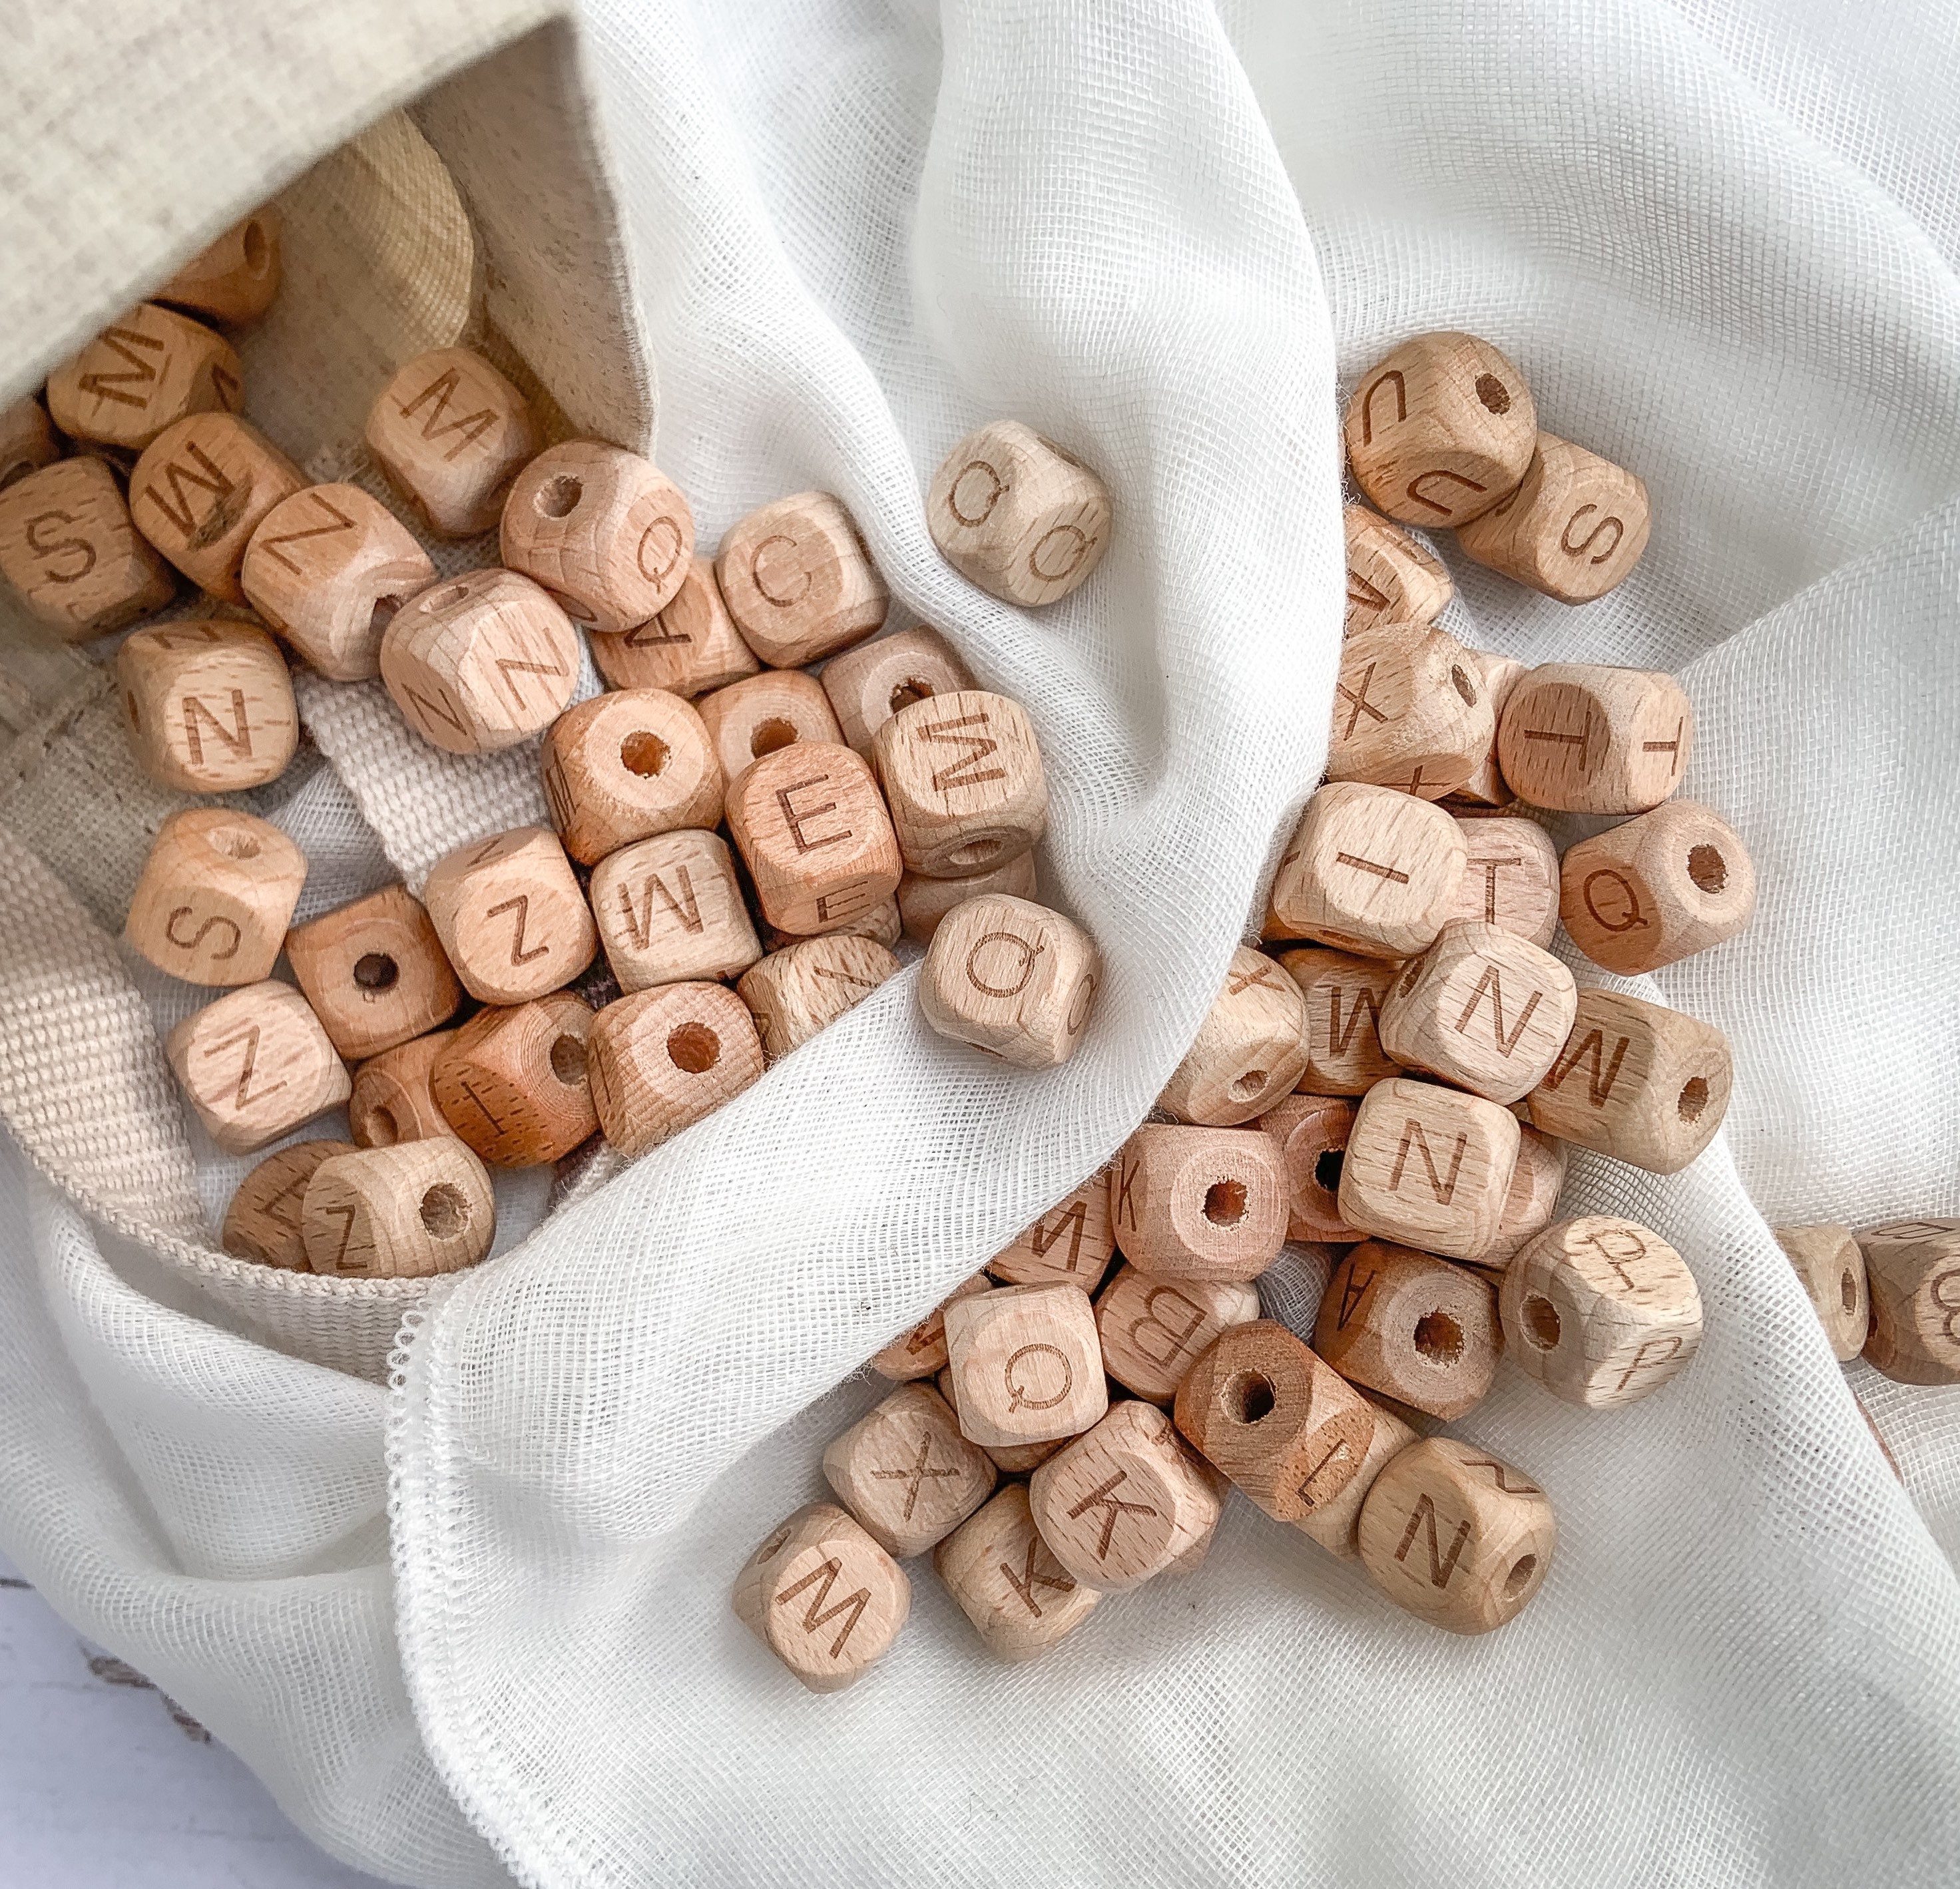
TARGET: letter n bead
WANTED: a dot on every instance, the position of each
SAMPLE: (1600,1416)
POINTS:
(1428,1167)
(1022,519)
(823,1596)
(1011,978)
(1027,1364)
(209,705)
(962,774)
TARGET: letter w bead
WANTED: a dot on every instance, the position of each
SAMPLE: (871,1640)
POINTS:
(205,476)
(854,1604)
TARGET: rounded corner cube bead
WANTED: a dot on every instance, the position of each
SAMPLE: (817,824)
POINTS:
(375,972)
(1831,1267)
(669,910)
(1662,886)
(1573,529)
(1370,871)
(1336,1524)
(1027,1364)
(1912,1267)
(1021,518)
(1587,738)
(514,1082)
(869,685)
(823,1596)
(215,896)
(1153,1329)
(28,441)
(235,277)
(1411,1327)
(451,432)
(203,487)
(690,646)
(150,368)
(1428,1167)
(1193,1202)
(394,1094)
(664,1058)
(1072,1244)
(1250,1050)
(1510,876)
(811,827)
(923,903)
(1021,1600)
(255,1064)
(798,581)
(71,552)
(209,705)
(1529,1207)
(406,1212)
(920,1352)
(795,993)
(1410,712)
(626,765)
(263,1221)
(1012,978)
(511,915)
(1343,994)
(906,1472)
(963,776)
(762,713)
(1487,786)
(1390,578)
(1440,429)
(1312,1132)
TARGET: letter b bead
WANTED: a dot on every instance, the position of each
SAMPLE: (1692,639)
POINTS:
(1017,515)
(1011,978)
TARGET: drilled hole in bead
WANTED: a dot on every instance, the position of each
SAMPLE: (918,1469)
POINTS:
(234,842)
(376,971)
(975,853)
(1694,1099)
(693,1048)
(445,1211)
(1248,1396)
(1459,680)
(1225,1202)
(383,614)
(1439,1338)
(567,1059)
(1847,1291)
(1327,1169)
(257,246)
(558,497)
(1249,1085)
(1523,1569)
(450,594)
(771,735)
(383,1130)
(1541,1321)
(914,689)
(643,752)
(1494,393)
(1707,868)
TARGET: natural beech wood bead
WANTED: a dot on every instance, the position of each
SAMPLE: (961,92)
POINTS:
(1486,786)
(1335,1525)
(1536,1182)
(1027,1364)
(921,1352)
(1832,1270)
(1021,518)
(880,923)
(775,709)
(812,829)
(1250,1050)
(1071,1244)
(150,369)
(907,1473)
(1637,1081)
(374,971)
(870,684)
(1199,1203)
(1390,578)
(394,1094)
(1584,738)
(1409,711)
(1600,1310)
(451,432)
(799,582)
(215,896)
(203,487)
(1510,877)
(1411,1327)
(406,1212)
(962,774)
(1021,1600)
(514,1083)
(1312,1132)
(1429,1167)
(793,994)
(1573,529)
(263,1222)
(1152,1329)
(511,915)
(234,278)
(924,902)
(328,568)
(1370,870)
(823,1597)
(255,1064)
(1018,1458)
(669,910)
(1440,429)
(1659,888)
(480,662)
(209,706)
(1912,1267)
(626,765)
(69,549)
(1343,996)
(1011,978)
(27,442)
(664,1058)
(689,647)
(1455,1536)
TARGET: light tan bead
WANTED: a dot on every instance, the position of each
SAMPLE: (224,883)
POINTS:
(1021,1600)
(150,369)
(1409,711)
(1011,978)
(215,896)
(328,568)
(1600,1310)
(255,1064)
(1391,577)
(921,1351)
(263,1222)
(795,993)
(1250,1050)
(924,902)
(963,775)
(869,685)
(1832,1271)
(451,433)
(1455,1536)
(1440,429)
(1510,877)
(798,580)
(209,706)
(1335,1525)
(765,712)
(1027,1364)
(511,915)
(1657,889)
(813,830)
(664,1058)
(823,1597)
(1199,1203)
(1428,1167)
(1153,1329)
(1018,1458)
(1411,1327)
(374,971)
(70,551)
(1584,738)
(669,910)
(689,647)
(1370,870)
(514,1083)
(1573,529)
(1343,995)
(1637,1081)
(880,923)
(1913,1269)
(626,765)
(27,442)
(235,277)
(1486,786)
(1312,1132)
(1071,1244)
(203,487)
(1533,1199)
(1024,520)
(394,1094)
(407,1212)
(906,1472)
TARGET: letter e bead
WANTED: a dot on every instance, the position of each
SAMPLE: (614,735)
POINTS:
(813,828)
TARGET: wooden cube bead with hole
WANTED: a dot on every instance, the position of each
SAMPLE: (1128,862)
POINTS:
(664,1058)
(394,1094)
(1071,1244)
(1153,1329)
(1637,1081)
(451,432)
(1411,1327)
(880,923)
(514,1083)
(762,713)
(1428,1167)
(1370,871)
(924,902)
(823,1597)
(375,972)
(209,706)
(1391,577)
(1011,978)
(920,1351)
(215,896)
(1250,1050)
(1573,529)
(795,993)
(1831,1270)
(1600,1310)
(1913,1271)
(1336,1523)
(1455,1536)
(798,580)
(689,647)
(1532,1201)
(1510,877)
(1586,738)
(1021,1600)
(1027,1364)
(255,1064)
(328,568)
(1440,429)
(511,915)
(1657,889)
(1312,1132)
(234,278)
(1487,786)
(28,441)
(869,685)
(481,662)
(906,1472)
(1344,995)
(1191,1203)
(1409,711)
(149,369)
(669,910)
(812,827)
(263,1222)
(72,555)
(1024,520)
(625,765)
(407,1212)
(962,774)
(203,487)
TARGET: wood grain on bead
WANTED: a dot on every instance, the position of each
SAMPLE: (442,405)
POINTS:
(215,896)
(669,910)
(1072,1244)
(1312,1132)
(451,432)
(869,685)
(1486,786)
(1370,871)
(1021,1600)
(962,774)
(880,923)
(514,1082)
(625,765)
(1410,712)
(1664,886)
(1192,1203)
(236,277)
(1027,1364)
(664,1058)
(905,1472)
(1573,529)
(798,581)
(27,440)
(1153,1329)
(394,1094)
(149,369)
(795,993)
(406,1212)
(255,1064)
(1024,520)
(209,705)
(765,712)
(1336,1523)
(924,902)
(823,1597)
(1250,1050)
(1344,995)
(1532,1202)
(920,1351)
(1586,738)
(1011,978)
(1428,1167)
(1510,876)
(374,971)
(689,647)
(511,915)
(1913,1268)
(1411,1327)
(72,553)
(1391,577)
(203,487)
(263,1221)
(1831,1270)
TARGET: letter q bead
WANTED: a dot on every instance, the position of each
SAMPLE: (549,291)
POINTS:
(1011,978)
(1657,889)
(1027,1364)
(1021,518)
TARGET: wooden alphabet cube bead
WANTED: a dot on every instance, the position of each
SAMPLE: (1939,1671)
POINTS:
(1663,886)
(394,1094)
(1190,1203)
(1440,429)
(880,923)
(1532,1201)
(1021,518)
(514,1083)
(1600,1310)
(1584,738)
(1428,1167)
(924,902)
(1016,1459)
(203,487)
(408,1212)
(1071,1244)
(626,765)
(71,553)
(451,432)
(812,829)
(1913,1268)
(1510,877)
(1409,711)
(921,1352)
(150,369)
(1455,1536)
(263,1222)
(1312,1132)
(28,441)
(799,582)
(869,685)
(1636,1080)
(1486,786)
(1573,529)
(664,1058)
(209,706)
(1412,1327)
(375,972)
(1370,870)
(1011,978)
(328,568)
(906,1472)
(1021,1600)
(1027,1364)
(1344,995)
(255,1064)
(235,277)
(689,647)
(669,910)
(1336,1524)
(215,896)
(1153,1329)
(962,774)
(795,993)
(1391,577)
(823,1597)
(1251,1048)
(763,713)
(511,915)
(1831,1268)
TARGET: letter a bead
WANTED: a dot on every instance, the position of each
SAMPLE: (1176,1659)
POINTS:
(1012,511)
(823,1597)
(1409,1326)
(1027,1364)
(1657,889)
(1428,1167)
(1011,978)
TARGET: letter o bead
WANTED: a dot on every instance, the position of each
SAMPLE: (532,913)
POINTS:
(70,550)
(1011,978)
(798,581)
(1662,887)
(823,1597)
(215,896)
(407,1212)
(1027,1364)
(209,706)
(809,821)
(664,1058)
(1021,518)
